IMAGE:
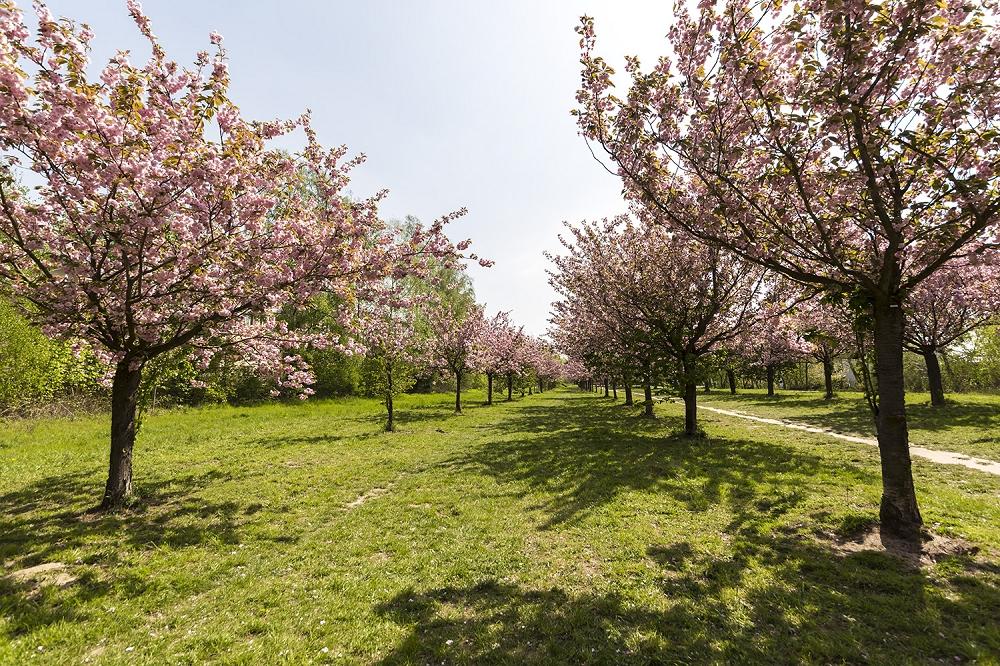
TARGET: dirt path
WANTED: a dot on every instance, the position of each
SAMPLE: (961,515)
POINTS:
(943,457)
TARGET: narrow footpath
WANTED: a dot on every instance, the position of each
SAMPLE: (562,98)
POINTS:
(943,457)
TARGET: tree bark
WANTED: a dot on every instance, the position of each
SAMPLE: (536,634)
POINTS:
(934,380)
(770,380)
(688,370)
(605,387)
(510,386)
(390,425)
(828,377)
(458,392)
(614,389)
(124,399)
(628,392)
(731,376)
(690,408)
(648,391)
(708,385)
(489,388)
(899,514)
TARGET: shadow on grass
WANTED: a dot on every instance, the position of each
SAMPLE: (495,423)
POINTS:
(43,523)
(772,594)
(582,453)
(277,442)
(811,607)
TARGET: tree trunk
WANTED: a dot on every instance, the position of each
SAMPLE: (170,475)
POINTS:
(898,513)
(731,376)
(605,387)
(934,378)
(690,408)
(828,377)
(708,385)
(770,380)
(614,389)
(688,371)
(628,392)
(124,398)
(489,388)
(541,385)
(648,391)
(458,392)
(510,386)
(390,426)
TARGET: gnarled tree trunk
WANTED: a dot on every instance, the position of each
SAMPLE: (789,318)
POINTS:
(770,380)
(731,376)
(628,392)
(124,399)
(898,513)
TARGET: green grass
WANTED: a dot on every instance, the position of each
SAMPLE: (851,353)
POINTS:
(561,528)
(969,423)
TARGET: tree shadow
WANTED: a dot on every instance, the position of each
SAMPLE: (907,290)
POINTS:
(812,606)
(46,521)
(771,592)
(278,442)
(582,455)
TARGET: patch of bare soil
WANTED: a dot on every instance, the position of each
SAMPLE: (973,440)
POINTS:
(49,573)
(364,497)
(931,548)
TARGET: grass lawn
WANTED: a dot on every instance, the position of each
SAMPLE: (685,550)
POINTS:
(969,423)
(559,528)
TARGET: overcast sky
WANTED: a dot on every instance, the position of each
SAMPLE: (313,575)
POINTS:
(455,103)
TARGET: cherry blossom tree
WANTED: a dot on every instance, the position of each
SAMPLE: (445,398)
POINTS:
(590,324)
(145,235)
(454,337)
(643,269)
(953,302)
(829,333)
(550,369)
(772,343)
(541,363)
(139,233)
(850,146)
(386,325)
(500,350)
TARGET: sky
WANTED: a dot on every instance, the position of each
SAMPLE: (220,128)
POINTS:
(454,102)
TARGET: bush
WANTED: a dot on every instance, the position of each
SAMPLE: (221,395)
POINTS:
(35,369)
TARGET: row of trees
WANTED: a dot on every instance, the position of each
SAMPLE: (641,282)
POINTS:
(631,309)
(418,326)
(143,217)
(150,225)
(848,147)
